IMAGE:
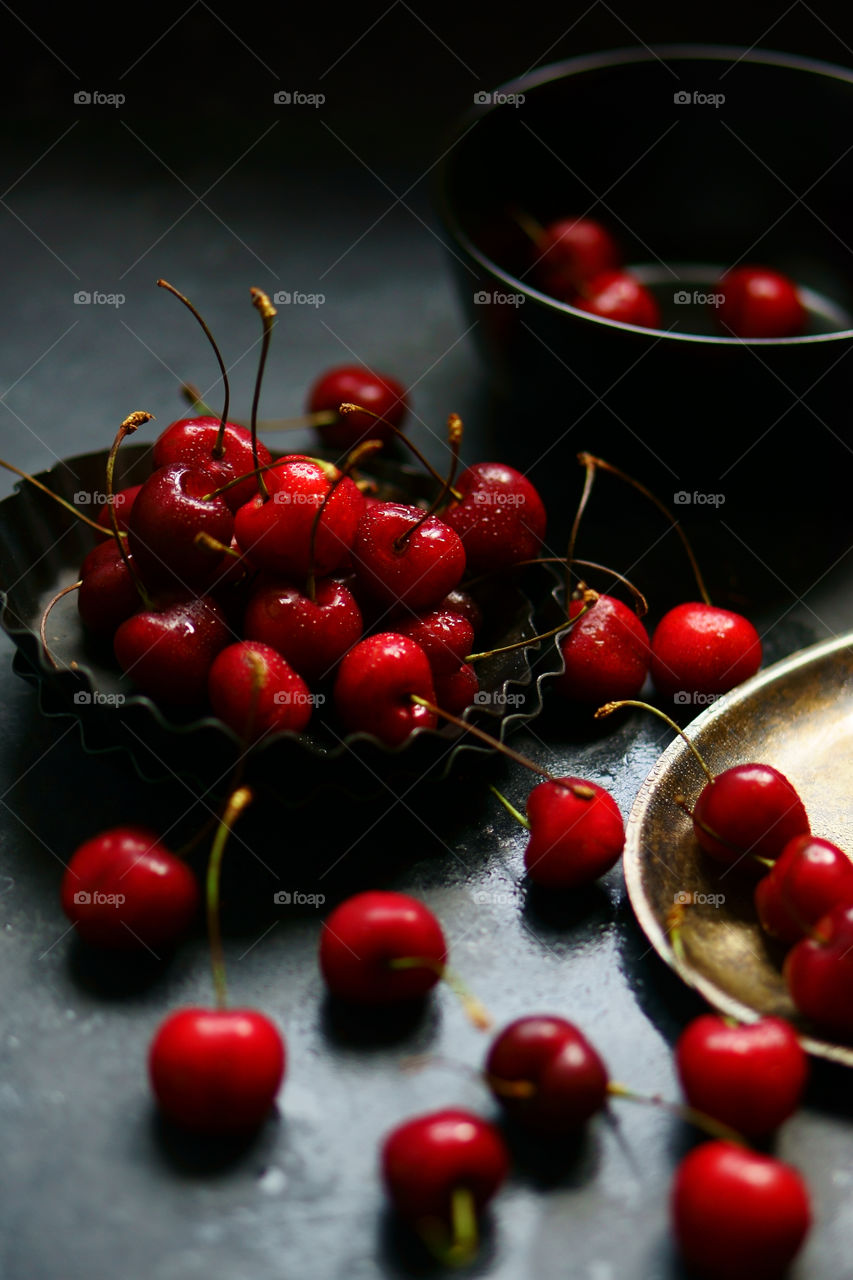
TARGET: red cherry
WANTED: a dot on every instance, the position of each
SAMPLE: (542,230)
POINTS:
(374,685)
(122,504)
(500,518)
(571,251)
(353,384)
(738,1215)
(760,303)
(446,638)
(107,595)
(125,891)
(616,295)
(459,601)
(168,652)
(364,936)
(427,1159)
(169,510)
(256,692)
(576,833)
(810,877)
(393,565)
(567,1079)
(748,809)
(275,532)
(606,653)
(698,648)
(313,635)
(819,972)
(216,1071)
(748,1077)
(192,441)
(458,689)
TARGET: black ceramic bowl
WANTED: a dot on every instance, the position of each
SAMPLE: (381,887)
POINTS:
(696,159)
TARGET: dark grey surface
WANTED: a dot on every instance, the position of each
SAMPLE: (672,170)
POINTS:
(92,1184)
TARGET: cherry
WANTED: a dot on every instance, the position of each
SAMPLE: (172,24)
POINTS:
(698,648)
(375,683)
(108,593)
(760,303)
(445,637)
(606,650)
(169,651)
(123,504)
(572,251)
(124,890)
(459,601)
(401,556)
(171,509)
(313,635)
(275,531)
(616,295)
(192,441)
(810,877)
(748,1077)
(738,1215)
(256,692)
(546,1074)
(576,833)
(381,948)
(819,972)
(456,690)
(383,395)
(440,1171)
(216,1070)
(498,515)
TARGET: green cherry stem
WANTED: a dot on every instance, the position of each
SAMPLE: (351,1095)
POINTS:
(522,644)
(268,313)
(219,445)
(37,484)
(510,808)
(699,1119)
(235,806)
(476,1011)
(589,480)
(610,707)
(529,225)
(127,428)
(454,440)
(641,604)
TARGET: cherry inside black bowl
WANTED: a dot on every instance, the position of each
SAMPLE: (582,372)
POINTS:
(41,548)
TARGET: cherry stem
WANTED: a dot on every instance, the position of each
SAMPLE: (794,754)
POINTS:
(521,644)
(454,440)
(346,408)
(529,225)
(510,808)
(589,480)
(268,314)
(610,707)
(323,417)
(476,1011)
(588,459)
(641,604)
(191,393)
(699,1119)
(99,528)
(127,428)
(464,1235)
(577,789)
(235,806)
(203,539)
(219,446)
(353,459)
(75,586)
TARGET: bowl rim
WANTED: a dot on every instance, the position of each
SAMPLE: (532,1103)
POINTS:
(613,59)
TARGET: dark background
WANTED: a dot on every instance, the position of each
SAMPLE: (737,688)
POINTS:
(200,178)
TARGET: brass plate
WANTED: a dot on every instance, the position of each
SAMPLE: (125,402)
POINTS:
(797,716)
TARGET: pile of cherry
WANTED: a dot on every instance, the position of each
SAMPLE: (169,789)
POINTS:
(578,261)
(294,550)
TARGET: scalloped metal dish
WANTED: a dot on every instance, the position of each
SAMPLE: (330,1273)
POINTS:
(41,547)
(798,716)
